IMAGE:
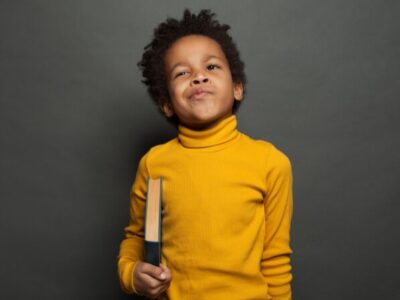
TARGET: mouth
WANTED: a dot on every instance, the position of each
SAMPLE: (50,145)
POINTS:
(199,94)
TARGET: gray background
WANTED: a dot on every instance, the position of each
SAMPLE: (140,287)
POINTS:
(324,81)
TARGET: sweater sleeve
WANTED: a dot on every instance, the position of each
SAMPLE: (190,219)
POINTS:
(278,205)
(131,248)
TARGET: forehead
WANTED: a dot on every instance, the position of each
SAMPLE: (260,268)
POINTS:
(192,47)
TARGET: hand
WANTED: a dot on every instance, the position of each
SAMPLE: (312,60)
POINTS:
(150,280)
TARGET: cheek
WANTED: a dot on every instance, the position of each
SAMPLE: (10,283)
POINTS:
(227,87)
(178,89)
(171,91)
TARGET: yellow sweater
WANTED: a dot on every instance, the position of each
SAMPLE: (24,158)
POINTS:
(227,208)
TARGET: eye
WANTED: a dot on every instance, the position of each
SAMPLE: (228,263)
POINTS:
(181,73)
(212,67)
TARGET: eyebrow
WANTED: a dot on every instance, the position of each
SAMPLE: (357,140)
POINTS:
(206,59)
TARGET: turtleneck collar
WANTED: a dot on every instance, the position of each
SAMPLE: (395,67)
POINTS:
(221,133)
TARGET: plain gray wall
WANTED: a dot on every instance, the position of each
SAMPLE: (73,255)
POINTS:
(324,81)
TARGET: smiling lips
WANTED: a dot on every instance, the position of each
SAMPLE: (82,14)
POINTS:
(199,94)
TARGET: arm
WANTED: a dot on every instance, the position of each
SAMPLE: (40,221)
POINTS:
(278,204)
(131,249)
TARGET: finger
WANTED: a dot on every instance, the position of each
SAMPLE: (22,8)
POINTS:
(158,291)
(151,283)
(153,271)
(154,289)
(167,273)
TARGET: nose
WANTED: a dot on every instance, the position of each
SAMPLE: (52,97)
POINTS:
(199,78)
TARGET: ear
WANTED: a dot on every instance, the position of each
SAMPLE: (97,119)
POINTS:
(166,108)
(238,91)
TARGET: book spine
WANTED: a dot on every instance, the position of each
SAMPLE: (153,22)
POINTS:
(152,249)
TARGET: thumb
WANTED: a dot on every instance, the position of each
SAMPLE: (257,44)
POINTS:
(166,271)
(153,271)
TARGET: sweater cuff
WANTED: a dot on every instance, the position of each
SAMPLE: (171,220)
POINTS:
(133,277)
(285,293)
(284,297)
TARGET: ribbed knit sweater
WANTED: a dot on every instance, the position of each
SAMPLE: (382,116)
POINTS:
(227,208)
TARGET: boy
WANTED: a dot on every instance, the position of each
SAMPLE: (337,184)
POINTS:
(227,199)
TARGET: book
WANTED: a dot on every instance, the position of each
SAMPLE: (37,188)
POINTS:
(153,222)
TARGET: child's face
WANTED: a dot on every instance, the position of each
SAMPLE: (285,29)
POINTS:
(199,82)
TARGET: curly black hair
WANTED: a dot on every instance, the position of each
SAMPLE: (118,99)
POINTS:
(152,63)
